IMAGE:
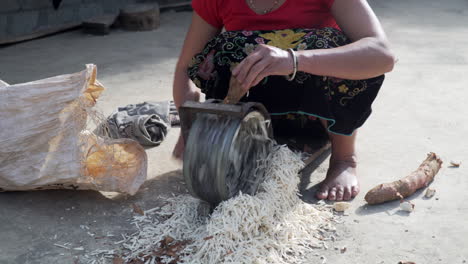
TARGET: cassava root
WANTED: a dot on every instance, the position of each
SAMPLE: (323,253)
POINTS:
(235,92)
(408,185)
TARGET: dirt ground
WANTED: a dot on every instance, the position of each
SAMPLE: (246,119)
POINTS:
(421,108)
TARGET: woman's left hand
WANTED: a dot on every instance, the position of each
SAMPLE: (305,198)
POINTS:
(262,62)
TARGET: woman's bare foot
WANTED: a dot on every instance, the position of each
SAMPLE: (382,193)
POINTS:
(341,183)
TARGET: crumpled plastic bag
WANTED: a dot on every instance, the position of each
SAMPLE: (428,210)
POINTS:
(44,143)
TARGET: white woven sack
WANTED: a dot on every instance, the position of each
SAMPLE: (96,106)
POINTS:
(44,143)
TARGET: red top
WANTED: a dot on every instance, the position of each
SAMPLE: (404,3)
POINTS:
(237,15)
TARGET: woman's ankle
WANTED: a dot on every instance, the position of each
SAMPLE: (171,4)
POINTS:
(349,159)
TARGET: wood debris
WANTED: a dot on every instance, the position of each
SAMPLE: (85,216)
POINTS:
(137,209)
(455,164)
(61,246)
(118,260)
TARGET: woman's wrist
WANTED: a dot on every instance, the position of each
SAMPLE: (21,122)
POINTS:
(306,60)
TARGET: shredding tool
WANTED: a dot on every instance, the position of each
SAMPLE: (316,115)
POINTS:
(226,144)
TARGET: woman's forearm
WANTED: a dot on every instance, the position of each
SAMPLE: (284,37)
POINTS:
(363,59)
(183,89)
(200,32)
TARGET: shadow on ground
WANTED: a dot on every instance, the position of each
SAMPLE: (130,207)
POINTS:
(307,188)
(42,220)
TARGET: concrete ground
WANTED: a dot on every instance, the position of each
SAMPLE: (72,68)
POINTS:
(421,108)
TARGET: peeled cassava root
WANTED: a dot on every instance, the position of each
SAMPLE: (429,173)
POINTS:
(405,187)
(235,92)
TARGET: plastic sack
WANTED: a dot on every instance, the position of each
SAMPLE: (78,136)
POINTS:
(44,143)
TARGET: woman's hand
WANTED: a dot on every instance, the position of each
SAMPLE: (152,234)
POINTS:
(262,62)
(178,152)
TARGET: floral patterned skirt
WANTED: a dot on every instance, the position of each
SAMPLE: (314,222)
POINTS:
(345,104)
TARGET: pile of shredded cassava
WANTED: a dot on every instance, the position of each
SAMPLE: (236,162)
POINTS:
(274,226)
